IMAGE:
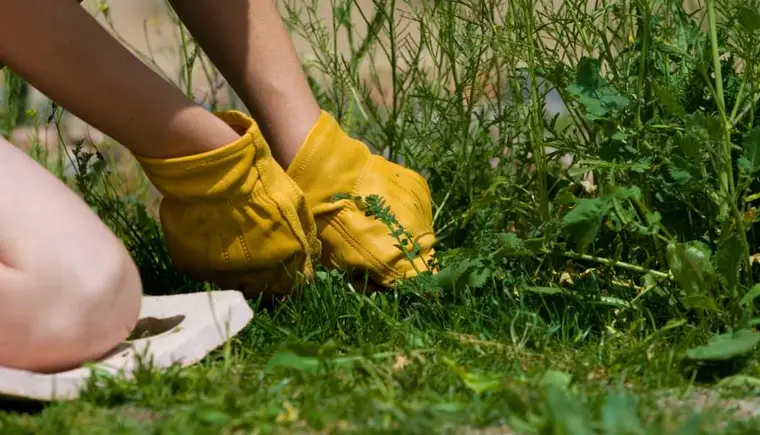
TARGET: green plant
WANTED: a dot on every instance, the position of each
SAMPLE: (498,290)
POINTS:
(658,117)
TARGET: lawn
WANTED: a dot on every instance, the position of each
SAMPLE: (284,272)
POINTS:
(594,169)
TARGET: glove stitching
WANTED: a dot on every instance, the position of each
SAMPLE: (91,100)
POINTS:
(402,202)
(203,161)
(225,253)
(420,200)
(400,172)
(282,204)
(424,202)
(289,217)
(410,192)
(397,199)
(409,206)
(279,201)
(302,203)
(312,150)
(244,247)
(420,180)
(379,265)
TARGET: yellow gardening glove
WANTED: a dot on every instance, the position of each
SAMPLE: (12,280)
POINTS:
(231,216)
(329,163)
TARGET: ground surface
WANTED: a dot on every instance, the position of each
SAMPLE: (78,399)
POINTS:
(337,362)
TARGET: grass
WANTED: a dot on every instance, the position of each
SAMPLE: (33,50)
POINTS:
(611,292)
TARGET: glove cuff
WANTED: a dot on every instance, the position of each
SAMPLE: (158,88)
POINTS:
(214,175)
(328,162)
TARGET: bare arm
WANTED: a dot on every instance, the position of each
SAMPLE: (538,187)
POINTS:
(62,51)
(249,43)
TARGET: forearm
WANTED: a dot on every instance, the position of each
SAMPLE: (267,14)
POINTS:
(249,43)
(62,51)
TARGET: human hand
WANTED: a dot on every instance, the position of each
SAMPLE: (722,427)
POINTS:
(231,216)
(332,163)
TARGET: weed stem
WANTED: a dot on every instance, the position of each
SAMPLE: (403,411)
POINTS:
(615,263)
(536,124)
(726,173)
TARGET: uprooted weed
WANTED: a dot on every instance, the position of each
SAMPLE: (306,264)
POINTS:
(594,175)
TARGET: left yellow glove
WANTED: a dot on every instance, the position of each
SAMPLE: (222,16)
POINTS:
(231,216)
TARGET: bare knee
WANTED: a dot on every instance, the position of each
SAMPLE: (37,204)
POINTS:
(68,289)
(56,321)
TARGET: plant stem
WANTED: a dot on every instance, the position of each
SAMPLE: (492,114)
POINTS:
(645,10)
(614,263)
(726,174)
(187,62)
(536,125)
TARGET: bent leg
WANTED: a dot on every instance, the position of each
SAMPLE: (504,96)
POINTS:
(69,292)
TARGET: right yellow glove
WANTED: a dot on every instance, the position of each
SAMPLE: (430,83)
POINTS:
(329,163)
(232,217)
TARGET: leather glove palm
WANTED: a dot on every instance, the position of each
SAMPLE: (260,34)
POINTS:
(330,163)
(231,216)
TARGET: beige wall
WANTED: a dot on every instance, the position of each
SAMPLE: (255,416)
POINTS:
(146,26)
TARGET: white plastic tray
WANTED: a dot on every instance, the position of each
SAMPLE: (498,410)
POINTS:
(178,329)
